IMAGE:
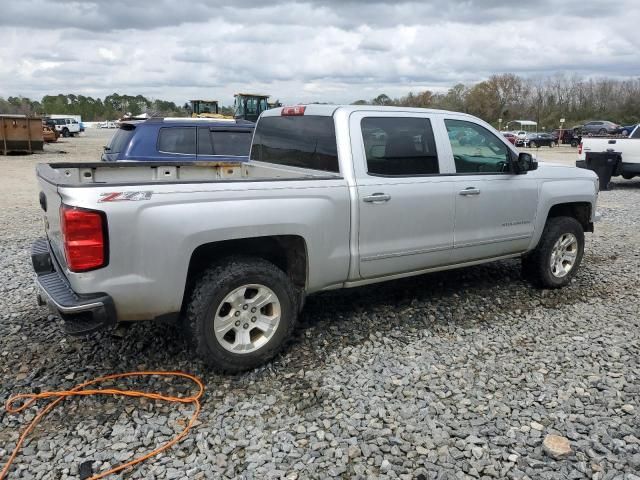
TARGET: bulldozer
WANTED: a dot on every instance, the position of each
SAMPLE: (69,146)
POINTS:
(249,106)
(205,109)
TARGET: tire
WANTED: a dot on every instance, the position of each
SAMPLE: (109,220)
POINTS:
(602,131)
(552,144)
(537,266)
(628,176)
(533,144)
(207,302)
(574,143)
(624,132)
(65,132)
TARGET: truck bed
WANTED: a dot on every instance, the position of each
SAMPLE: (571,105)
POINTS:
(149,173)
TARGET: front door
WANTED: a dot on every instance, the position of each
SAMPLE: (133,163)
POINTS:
(495,209)
(405,205)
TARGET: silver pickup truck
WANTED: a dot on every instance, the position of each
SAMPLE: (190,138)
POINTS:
(332,197)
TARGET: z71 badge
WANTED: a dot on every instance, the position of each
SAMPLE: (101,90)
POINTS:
(124,196)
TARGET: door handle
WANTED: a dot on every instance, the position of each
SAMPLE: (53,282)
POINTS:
(377,197)
(470,191)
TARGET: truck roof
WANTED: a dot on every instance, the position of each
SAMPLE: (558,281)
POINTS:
(329,110)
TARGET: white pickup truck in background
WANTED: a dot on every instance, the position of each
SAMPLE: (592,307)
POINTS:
(625,154)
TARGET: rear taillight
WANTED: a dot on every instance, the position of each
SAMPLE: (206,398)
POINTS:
(293,111)
(580,149)
(84,237)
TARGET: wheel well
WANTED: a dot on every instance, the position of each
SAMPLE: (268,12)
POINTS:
(287,252)
(581,211)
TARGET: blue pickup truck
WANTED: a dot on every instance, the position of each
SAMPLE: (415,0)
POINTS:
(181,139)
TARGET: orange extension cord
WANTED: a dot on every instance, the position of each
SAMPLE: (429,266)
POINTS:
(79,390)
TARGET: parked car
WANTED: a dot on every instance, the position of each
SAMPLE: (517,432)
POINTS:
(567,136)
(183,139)
(600,127)
(510,136)
(535,140)
(67,127)
(624,130)
(332,197)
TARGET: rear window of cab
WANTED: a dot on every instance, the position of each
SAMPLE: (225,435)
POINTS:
(305,141)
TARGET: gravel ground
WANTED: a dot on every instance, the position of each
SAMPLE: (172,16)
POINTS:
(452,375)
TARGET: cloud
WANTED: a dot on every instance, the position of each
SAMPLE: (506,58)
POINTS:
(303,51)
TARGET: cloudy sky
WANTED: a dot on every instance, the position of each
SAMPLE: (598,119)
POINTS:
(335,50)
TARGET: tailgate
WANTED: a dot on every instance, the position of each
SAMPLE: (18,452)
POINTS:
(50,202)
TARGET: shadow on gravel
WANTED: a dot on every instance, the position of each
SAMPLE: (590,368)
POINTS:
(330,321)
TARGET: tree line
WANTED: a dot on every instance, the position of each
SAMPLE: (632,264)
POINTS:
(91,109)
(543,100)
(505,96)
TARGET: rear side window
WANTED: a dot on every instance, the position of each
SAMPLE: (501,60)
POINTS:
(121,139)
(231,142)
(636,132)
(177,140)
(399,146)
(306,141)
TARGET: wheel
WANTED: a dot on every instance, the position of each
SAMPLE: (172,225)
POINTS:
(574,143)
(602,131)
(532,145)
(628,176)
(555,261)
(240,313)
(65,132)
(552,144)
(625,132)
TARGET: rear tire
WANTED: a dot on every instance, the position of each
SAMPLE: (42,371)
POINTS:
(533,144)
(602,131)
(224,326)
(556,259)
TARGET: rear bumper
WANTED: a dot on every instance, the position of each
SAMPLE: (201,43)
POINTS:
(618,169)
(82,313)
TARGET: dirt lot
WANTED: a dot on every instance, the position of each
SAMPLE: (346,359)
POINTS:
(447,376)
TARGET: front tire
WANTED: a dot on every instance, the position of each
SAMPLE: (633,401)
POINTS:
(240,313)
(602,131)
(556,259)
(65,133)
(533,144)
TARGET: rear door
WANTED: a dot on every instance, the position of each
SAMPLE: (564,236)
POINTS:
(405,201)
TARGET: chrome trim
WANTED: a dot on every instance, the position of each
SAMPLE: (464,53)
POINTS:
(383,256)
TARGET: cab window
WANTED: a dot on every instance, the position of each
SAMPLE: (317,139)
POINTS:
(396,146)
(475,149)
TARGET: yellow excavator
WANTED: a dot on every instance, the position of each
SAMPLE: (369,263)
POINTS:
(249,106)
(205,109)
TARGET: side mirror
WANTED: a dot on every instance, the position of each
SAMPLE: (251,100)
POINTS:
(525,163)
